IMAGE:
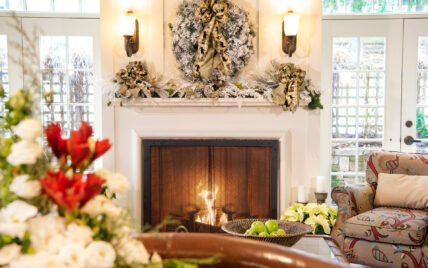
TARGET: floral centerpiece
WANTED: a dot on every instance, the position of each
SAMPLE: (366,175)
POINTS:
(320,217)
(62,214)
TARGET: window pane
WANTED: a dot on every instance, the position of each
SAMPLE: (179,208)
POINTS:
(345,53)
(11,4)
(52,52)
(39,5)
(66,5)
(358,6)
(91,6)
(422,97)
(80,51)
(81,87)
(372,88)
(343,157)
(373,6)
(372,53)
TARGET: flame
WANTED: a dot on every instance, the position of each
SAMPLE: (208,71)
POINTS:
(210,217)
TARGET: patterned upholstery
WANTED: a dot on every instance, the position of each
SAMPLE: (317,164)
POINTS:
(389,225)
(358,200)
(384,254)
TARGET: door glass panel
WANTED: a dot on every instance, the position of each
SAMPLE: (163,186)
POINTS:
(358,105)
(3,69)
(422,96)
(39,5)
(67,72)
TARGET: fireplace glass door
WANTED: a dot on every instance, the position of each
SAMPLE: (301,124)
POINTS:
(201,184)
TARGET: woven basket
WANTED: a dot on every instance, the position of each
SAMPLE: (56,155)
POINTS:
(294,231)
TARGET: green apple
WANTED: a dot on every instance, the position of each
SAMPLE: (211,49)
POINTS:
(274,233)
(264,233)
(281,232)
(250,232)
(258,227)
(271,226)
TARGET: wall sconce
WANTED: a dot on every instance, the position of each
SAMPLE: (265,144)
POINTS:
(129,30)
(290,27)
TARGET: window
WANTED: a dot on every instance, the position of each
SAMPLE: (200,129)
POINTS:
(422,94)
(67,70)
(3,68)
(82,6)
(357,105)
(373,6)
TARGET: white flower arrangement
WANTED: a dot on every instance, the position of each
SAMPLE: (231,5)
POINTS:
(320,217)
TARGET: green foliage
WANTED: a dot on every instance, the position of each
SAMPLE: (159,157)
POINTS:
(420,125)
(18,108)
(25,242)
(315,102)
(98,225)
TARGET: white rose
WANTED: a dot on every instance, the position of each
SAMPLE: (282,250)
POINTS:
(46,233)
(132,251)
(72,255)
(25,188)
(100,204)
(116,183)
(100,254)
(29,129)
(78,234)
(8,253)
(38,260)
(25,152)
(13,218)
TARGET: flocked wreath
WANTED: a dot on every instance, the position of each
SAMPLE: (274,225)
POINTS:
(195,18)
(212,42)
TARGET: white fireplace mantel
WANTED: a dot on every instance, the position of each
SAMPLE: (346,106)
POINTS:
(298,136)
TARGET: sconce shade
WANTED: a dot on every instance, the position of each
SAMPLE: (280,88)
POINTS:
(291,24)
(127,24)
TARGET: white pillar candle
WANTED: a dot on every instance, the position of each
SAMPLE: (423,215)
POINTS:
(301,194)
(321,184)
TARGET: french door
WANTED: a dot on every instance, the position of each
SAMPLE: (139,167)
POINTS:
(375,74)
(414,129)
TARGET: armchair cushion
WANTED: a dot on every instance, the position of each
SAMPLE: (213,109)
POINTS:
(390,225)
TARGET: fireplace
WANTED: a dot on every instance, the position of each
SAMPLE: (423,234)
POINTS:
(204,183)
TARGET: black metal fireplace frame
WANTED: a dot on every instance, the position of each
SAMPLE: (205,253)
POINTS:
(148,143)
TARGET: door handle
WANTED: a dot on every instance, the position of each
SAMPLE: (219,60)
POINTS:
(409,140)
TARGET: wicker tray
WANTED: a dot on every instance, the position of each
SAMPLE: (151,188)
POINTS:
(294,230)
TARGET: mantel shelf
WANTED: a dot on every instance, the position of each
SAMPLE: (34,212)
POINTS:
(183,102)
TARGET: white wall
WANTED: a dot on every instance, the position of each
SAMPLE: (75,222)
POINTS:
(301,130)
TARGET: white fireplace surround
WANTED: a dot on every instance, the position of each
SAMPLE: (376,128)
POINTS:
(298,147)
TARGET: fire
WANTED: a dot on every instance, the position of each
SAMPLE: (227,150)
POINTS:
(209,215)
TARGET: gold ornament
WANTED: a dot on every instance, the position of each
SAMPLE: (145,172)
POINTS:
(291,82)
(212,44)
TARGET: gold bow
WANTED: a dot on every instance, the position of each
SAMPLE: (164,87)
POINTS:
(291,79)
(213,13)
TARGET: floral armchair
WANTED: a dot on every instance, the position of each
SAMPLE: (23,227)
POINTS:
(382,236)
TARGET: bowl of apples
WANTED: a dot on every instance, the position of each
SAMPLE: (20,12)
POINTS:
(284,233)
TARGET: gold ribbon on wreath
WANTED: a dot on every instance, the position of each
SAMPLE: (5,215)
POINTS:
(212,13)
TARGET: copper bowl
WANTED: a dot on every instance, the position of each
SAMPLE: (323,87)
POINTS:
(234,252)
(294,231)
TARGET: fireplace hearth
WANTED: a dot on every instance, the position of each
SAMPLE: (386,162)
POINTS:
(204,183)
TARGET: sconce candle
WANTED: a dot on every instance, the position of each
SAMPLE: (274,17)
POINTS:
(129,30)
(290,27)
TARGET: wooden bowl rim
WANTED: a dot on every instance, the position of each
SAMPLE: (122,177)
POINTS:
(308,228)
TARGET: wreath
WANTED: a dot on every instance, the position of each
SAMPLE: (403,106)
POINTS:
(211,37)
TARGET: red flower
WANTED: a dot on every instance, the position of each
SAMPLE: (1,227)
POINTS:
(93,186)
(101,147)
(79,147)
(71,192)
(55,141)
